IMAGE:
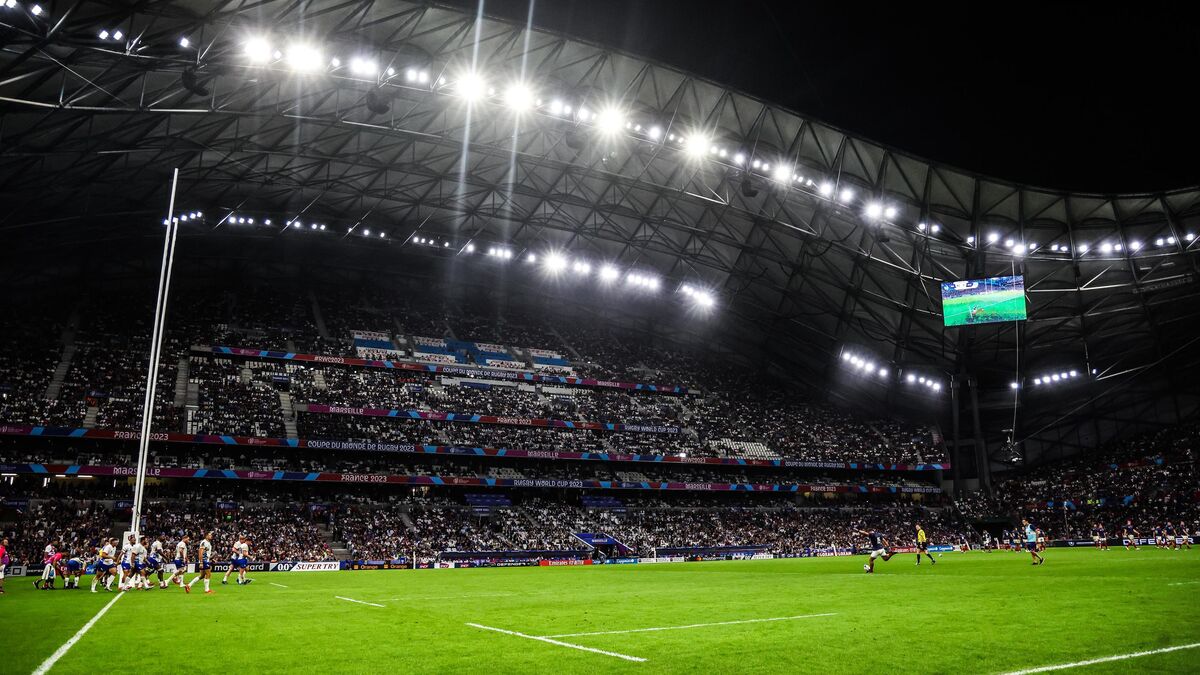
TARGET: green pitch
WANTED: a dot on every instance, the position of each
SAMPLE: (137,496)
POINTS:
(972,613)
(989,307)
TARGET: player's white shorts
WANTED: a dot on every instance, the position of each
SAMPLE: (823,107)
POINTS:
(1,571)
(878,553)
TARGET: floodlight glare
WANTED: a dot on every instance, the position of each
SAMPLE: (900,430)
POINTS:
(874,210)
(610,120)
(654,133)
(993,237)
(911,377)
(531,258)
(258,50)
(1019,249)
(184,42)
(363,67)
(608,273)
(782,173)
(556,262)
(470,86)
(889,212)
(582,268)
(846,196)
(519,97)
(846,357)
(304,58)
(36,10)
(696,145)
(826,189)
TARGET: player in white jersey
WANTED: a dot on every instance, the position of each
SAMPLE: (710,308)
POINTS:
(239,561)
(126,567)
(155,561)
(204,553)
(181,563)
(137,562)
(105,565)
(46,582)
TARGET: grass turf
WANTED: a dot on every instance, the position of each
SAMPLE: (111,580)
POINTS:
(995,306)
(975,612)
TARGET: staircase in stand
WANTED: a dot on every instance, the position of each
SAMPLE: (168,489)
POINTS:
(60,373)
(181,382)
(289,415)
(89,418)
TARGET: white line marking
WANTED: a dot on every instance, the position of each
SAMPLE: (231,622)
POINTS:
(455,597)
(692,625)
(358,601)
(547,640)
(275,584)
(49,663)
(1105,659)
(1184,583)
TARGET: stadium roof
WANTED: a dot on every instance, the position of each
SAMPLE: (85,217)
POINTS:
(812,240)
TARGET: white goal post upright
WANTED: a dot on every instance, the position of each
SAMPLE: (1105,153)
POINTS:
(160,320)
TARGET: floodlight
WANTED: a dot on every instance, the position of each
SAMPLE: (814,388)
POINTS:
(582,268)
(36,10)
(782,173)
(889,212)
(304,58)
(874,210)
(608,273)
(993,237)
(556,262)
(519,97)
(470,86)
(846,196)
(610,120)
(911,377)
(654,133)
(696,145)
(363,67)
(184,42)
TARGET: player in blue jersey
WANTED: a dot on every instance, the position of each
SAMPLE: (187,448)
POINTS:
(72,570)
(1031,542)
(1130,535)
(878,548)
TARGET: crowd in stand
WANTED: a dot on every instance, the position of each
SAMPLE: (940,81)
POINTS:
(1150,480)
(103,384)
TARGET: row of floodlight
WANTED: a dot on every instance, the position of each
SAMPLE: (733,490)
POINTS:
(867,366)
(1019,248)
(553,262)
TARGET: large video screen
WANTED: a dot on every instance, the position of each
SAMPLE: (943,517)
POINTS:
(975,301)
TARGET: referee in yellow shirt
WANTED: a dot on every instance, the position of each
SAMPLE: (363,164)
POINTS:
(923,546)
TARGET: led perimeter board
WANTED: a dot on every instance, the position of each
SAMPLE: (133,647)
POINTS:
(976,301)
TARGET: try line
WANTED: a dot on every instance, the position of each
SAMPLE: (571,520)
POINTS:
(1104,659)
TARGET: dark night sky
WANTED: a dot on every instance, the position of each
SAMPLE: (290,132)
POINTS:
(1068,95)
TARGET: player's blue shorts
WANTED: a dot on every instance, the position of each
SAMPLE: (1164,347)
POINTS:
(126,566)
(152,564)
(102,566)
(179,564)
(74,566)
(202,566)
(1031,545)
(239,563)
